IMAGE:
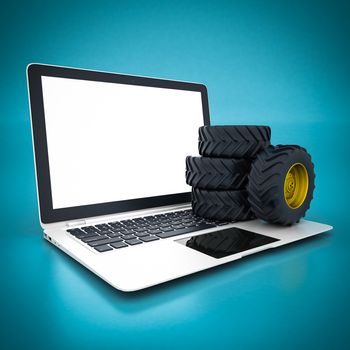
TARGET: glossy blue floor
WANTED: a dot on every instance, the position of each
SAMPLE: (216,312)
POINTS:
(285,65)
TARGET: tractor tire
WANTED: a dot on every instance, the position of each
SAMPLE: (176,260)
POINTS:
(233,141)
(281,184)
(217,173)
(221,205)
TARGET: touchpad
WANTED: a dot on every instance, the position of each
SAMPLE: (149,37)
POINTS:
(222,243)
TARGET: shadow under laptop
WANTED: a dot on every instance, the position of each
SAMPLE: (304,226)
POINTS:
(182,292)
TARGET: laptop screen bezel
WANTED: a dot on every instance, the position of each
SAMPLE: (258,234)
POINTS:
(47,213)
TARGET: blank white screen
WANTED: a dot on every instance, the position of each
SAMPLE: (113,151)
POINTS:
(109,142)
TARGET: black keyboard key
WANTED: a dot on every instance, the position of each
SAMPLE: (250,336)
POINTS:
(117,239)
(105,232)
(140,229)
(141,234)
(93,238)
(85,235)
(130,227)
(115,230)
(127,232)
(93,231)
(121,231)
(128,237)
(177,222)
(149,238)
(184,230)
(178,226)
(103,241)
(167,229)
(127,222)
(138,220)
(165,222)
(191,224)
(102,227)
(186,220)
(118,245)
(153,227)
(116,225)
(133,241)
(113,234)
(154,231)
(103,248)
(153,223)
(76,232)
(89,228)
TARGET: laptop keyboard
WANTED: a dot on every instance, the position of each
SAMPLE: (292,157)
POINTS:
(126,233)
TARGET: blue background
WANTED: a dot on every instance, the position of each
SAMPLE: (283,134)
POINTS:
(285,64)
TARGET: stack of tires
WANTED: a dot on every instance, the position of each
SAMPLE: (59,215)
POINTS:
(220,176)
(239,176)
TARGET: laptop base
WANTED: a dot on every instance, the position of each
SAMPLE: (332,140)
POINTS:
(139,267)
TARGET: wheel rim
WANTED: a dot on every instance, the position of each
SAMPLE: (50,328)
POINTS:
(296,185)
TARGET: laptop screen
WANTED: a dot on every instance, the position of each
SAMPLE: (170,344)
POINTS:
(110,142)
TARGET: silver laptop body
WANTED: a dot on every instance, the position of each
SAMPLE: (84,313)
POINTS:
(109,149)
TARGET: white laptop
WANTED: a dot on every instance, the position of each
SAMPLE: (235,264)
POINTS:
(110,167)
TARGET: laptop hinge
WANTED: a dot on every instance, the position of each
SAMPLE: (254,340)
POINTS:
(76,223)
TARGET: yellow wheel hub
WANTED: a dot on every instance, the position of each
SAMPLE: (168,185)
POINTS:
(296,185)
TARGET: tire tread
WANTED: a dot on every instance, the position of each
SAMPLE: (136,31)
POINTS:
(217,173)
(233,141)
(221,205)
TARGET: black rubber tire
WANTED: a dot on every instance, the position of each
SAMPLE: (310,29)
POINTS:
(217,173)
(233,141)
(266,184)
(221,205)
